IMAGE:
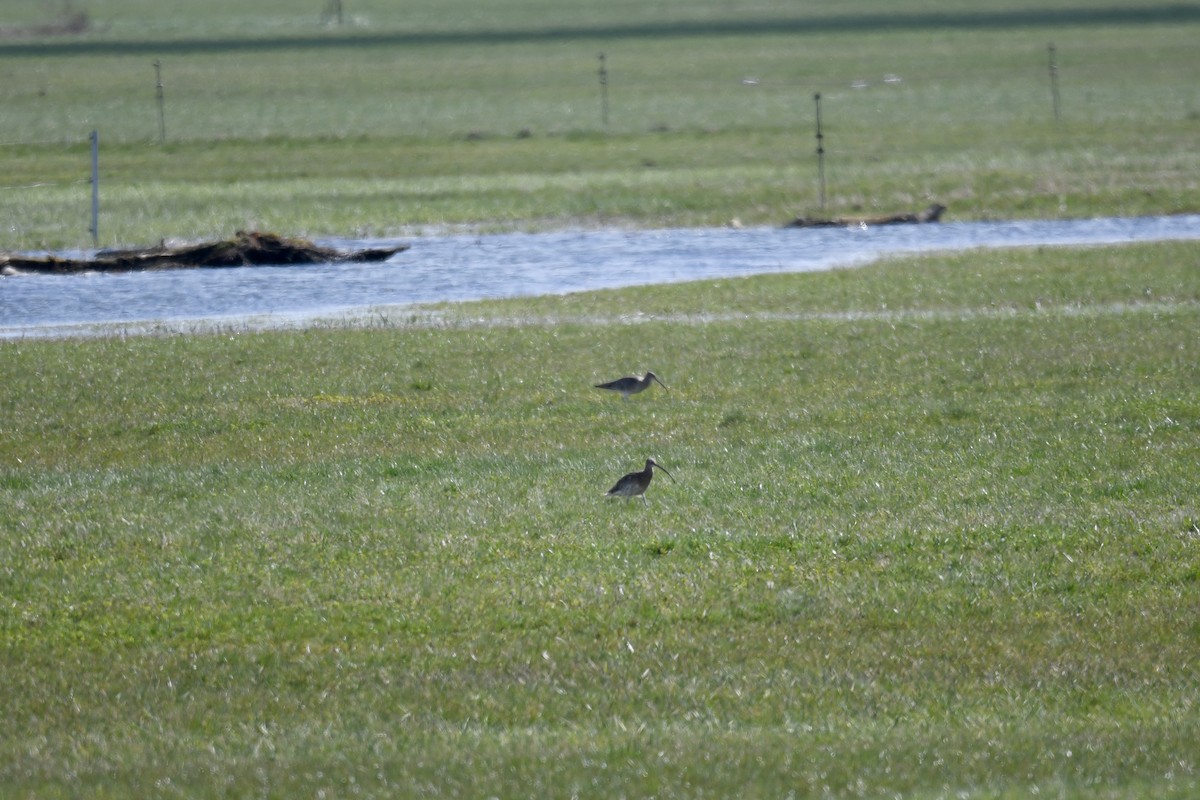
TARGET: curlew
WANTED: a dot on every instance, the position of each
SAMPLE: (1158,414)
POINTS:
(635,483)
(631,385)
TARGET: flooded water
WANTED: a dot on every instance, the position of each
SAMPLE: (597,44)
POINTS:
(456,268)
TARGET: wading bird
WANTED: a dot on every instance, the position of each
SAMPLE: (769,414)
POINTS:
(635,483)
(631,385)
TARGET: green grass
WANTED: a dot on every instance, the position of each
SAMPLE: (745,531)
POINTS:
(934,527)
(433,115)
(933,533)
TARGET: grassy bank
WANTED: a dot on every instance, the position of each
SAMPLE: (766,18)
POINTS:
(433,115)
(934,532)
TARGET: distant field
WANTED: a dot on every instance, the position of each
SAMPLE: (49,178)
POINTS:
(425,115)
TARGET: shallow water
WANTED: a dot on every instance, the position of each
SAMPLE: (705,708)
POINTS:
(456,268)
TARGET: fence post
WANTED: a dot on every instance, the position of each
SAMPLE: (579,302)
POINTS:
(1054,80)
(820,151)
(333,11)
(158,93)
(603,73)
(95,229)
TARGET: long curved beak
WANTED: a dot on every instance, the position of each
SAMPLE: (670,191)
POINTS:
(664,469)
(660,383)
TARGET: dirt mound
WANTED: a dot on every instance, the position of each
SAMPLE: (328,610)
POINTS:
(243,250)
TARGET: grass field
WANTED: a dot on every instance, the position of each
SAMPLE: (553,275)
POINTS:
(934,530)
(427,115)
(933,533)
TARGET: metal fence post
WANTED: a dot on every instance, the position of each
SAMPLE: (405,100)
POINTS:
(158,93)
(820,150)
(603,73)
(1054,80)
(95,229)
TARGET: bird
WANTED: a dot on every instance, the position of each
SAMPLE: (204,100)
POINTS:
(635,483)
(631,385)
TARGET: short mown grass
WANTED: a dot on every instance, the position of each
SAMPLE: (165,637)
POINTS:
(934,532)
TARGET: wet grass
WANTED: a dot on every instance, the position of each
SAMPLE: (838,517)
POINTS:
(933,527)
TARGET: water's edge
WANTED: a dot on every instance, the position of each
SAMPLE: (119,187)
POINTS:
(461,268)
